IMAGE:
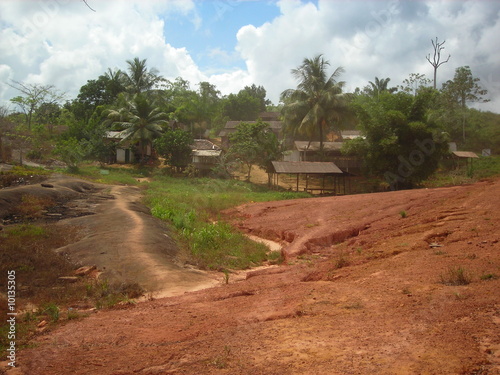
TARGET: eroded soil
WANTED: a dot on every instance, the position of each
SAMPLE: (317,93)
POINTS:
(364,291)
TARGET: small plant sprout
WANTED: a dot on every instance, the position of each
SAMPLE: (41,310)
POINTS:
(226,276)
(52,311)
(403,214)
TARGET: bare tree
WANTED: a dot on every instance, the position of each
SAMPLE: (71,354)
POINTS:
(436,61)
(34,95)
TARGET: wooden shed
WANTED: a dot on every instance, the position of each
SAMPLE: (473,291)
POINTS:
(321,169)
(468,156)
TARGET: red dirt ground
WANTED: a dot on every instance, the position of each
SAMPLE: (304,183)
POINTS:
(364,291)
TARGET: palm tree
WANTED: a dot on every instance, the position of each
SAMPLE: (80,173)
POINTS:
(139,79)
(379,86)
(140,120)
(317,102)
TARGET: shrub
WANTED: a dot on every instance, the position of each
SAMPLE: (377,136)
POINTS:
(456,276)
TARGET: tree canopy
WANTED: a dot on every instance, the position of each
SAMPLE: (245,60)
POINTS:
(140,120)
(175,145)
(401,145)
(318,103)
(255,144)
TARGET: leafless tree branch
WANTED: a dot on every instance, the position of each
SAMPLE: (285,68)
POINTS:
(87,4)
(436,63)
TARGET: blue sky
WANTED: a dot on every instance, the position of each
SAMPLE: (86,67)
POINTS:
(212,38)
(234,43)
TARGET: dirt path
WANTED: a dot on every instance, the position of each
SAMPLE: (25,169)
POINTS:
(381,301)
(119,235)
(130,246)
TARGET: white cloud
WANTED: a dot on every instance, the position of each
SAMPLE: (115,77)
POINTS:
(382,38)
(231,82)
(62,42)
(5,76)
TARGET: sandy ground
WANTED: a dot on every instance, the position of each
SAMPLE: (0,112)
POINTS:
(364,291)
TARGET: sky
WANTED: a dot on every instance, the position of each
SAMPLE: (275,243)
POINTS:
(232,43)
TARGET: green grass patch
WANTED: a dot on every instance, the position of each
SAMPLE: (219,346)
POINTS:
(28,171)
(193,207)
(484,167)
(22,174)
(113,175)
(24,230)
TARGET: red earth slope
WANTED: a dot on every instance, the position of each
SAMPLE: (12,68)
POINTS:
(370,293)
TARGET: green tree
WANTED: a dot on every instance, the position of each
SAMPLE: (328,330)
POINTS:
(380,85)
(4,128)
(414,83)
(401,144)
(463,89)
(208,103)
(48,114)
(71,152)
(97,92)
(176,147)
(259,93)
(140,121)
(255,144)
(317,103)
(139,78)
(242,106)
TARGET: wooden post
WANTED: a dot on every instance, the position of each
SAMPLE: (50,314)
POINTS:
(298,181)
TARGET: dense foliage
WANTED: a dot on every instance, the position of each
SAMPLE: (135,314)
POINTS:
(145,107)
(255,144)
(401,144)
(175,147)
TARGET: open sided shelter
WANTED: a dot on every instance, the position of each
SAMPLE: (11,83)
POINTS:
(321,169)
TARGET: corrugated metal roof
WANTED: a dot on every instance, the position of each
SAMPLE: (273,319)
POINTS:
(309,167)
(213,153)
(231,126)
(314,146)
(204,144)
(115,134)
(465,154)
(351,134)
